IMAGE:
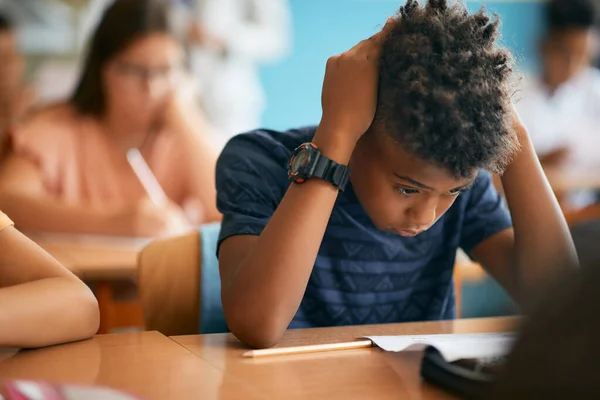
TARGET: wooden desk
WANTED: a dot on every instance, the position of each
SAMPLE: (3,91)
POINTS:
(353,374)
(93,257)
(147,364)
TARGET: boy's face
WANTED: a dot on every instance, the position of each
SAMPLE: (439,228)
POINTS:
(566,52)
(400,192)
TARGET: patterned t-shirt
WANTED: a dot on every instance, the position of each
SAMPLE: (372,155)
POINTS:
(362,275)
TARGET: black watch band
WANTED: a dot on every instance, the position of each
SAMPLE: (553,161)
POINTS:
(331,172)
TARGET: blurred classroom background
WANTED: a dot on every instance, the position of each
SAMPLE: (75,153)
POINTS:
(292,83)
(276,81)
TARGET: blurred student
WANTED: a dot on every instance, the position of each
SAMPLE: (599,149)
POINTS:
(15,97)
(70,171)
(229,40)
(364,224)
(561,108)
(42,303)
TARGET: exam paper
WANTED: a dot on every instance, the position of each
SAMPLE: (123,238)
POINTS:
(452,347)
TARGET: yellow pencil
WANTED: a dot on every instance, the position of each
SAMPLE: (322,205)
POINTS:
(314,348)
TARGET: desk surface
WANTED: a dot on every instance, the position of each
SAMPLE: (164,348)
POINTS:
(147,364)
(153,366)
(93,257)
(353,374)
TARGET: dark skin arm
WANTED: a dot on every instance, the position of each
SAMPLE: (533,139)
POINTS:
(263,278)
(526,258)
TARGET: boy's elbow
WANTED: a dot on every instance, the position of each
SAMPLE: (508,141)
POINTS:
(257,333)
(257,338)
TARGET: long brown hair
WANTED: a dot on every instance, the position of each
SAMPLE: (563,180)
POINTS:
(122,23)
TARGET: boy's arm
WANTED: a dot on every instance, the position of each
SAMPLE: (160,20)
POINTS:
(529,256)
(41,303)
(263,279)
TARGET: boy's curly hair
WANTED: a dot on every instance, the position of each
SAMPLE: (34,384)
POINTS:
(444,90)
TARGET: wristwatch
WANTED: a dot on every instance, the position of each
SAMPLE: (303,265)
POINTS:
(308,162)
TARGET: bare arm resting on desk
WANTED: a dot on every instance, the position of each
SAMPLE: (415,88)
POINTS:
(41,303)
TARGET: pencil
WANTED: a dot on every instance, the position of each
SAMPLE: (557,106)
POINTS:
(314,348)
(144,174)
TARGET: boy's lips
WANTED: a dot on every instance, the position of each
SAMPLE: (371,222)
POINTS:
(406,232)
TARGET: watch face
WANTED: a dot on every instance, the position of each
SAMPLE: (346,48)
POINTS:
(300,160)
(297,168)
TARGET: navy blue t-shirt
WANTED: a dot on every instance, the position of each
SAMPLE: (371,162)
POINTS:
(362,275)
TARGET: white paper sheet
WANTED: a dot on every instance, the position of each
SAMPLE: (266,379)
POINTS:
(452,347)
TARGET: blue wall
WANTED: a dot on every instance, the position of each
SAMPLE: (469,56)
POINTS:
(326,27)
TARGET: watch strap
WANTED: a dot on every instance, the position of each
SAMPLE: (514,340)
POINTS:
(332,172)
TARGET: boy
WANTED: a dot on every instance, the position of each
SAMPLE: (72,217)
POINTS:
(415,112)
(561,108)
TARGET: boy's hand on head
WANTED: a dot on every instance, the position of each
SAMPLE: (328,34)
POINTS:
(349,96)
(518,126)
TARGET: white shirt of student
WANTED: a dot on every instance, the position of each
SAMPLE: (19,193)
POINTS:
(255,32)
(568,118)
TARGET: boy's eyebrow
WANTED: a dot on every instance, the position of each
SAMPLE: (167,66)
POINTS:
(423,186)
(466,186)
(413,182)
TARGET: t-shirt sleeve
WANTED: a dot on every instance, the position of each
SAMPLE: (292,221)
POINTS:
(485,213)
(4,221)
(251,181)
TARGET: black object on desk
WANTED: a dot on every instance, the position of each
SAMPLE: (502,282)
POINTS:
(465,378)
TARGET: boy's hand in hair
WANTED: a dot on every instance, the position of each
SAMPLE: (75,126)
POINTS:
(349,96)
(518,126)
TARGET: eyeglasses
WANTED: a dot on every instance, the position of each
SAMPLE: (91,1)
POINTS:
(144,74)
